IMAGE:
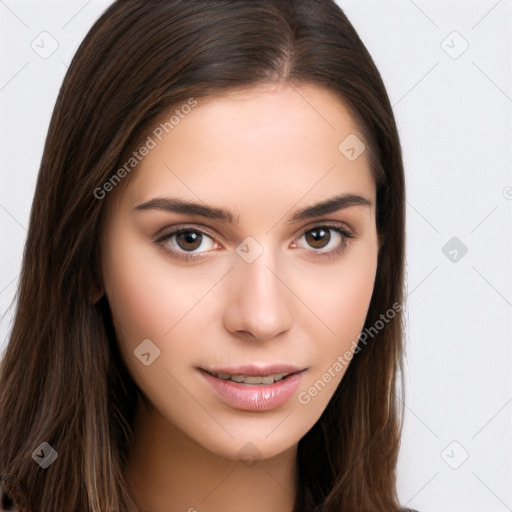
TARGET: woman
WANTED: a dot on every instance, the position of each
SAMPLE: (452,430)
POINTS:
(210,308)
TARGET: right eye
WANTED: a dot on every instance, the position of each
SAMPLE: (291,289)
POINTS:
(184,242)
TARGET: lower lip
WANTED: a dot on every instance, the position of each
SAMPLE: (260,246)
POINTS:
(254,397)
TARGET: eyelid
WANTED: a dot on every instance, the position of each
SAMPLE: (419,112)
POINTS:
(170,230)
(205,230)
(336,224)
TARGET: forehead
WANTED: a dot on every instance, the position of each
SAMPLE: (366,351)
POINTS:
(272,143)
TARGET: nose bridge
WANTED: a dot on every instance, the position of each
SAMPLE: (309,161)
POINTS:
(259,303)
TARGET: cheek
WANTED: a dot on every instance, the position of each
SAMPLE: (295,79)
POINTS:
(343,294)
(146,304)
(341,301)
(146,301)
(151,299)
(137,308)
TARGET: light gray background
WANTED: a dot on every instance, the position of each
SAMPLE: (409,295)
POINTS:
(454,115)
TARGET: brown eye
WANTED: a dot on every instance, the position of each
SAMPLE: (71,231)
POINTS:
(187,243)
(189,240)
(318,238)
(325,241)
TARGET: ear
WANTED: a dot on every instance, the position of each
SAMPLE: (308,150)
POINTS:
(381,239)
(97,290)
(96,295)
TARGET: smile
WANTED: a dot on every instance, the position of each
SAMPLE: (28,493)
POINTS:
(251,379)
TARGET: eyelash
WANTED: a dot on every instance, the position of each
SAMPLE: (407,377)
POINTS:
(192,257)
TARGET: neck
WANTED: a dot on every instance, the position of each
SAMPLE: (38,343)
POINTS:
(169,472)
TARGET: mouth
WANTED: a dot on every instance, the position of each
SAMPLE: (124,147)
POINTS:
(254,388)
(252,379)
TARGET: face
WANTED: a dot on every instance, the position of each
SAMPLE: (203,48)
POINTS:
(239,263)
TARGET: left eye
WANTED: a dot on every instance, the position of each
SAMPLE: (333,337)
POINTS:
(321,238)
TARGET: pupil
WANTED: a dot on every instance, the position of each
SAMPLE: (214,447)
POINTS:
(318,238)
(189,237)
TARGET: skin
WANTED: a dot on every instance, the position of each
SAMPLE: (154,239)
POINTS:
(263,154)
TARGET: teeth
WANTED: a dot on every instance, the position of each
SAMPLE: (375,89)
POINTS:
(251,379)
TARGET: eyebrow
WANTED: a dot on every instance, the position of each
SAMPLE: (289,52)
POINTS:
(176,205)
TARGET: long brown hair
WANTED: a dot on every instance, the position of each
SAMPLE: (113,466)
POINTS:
(62,380)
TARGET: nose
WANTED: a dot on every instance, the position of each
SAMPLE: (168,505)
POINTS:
(259,302)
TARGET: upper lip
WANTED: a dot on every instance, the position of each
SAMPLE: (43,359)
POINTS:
(256,370)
